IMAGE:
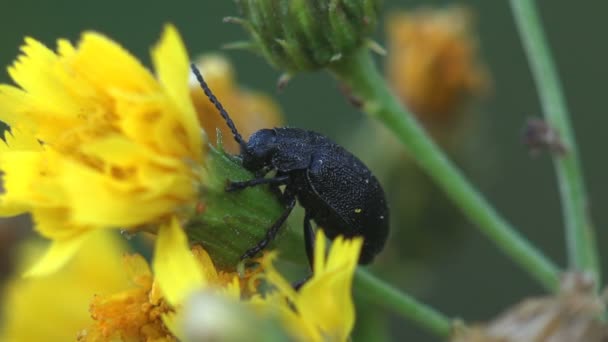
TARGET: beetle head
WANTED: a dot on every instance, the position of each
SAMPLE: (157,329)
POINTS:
(259,150)
(257,153)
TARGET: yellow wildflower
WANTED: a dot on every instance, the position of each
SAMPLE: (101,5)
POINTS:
(97,141)
(149,310)
(249,110)
(138,305)
(433,62)
(134,314)
(55,307)
(323,309)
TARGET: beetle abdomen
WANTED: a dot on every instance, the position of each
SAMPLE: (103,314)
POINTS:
(349,199)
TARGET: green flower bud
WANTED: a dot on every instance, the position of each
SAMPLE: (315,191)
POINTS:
(227,224)
(300,35)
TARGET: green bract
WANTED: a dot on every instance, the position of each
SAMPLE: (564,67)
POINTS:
(228,224)
(300,35)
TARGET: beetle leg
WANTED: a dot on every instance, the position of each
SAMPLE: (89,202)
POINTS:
(271,233)
(309,239)
(298,284)
(309,242)
(278,180)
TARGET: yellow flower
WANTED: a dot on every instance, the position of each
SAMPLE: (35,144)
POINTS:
(150,309)
(134,314)
(433,63)
(249,110)
(138,305)
(97,141)
(323,309)
(55,307)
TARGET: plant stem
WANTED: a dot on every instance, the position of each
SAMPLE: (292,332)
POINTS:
(359,72)
(381,293)
(582,250)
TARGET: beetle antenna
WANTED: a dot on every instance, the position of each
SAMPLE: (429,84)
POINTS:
(218,105)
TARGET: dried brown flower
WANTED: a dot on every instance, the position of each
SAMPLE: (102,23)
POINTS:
(573,315)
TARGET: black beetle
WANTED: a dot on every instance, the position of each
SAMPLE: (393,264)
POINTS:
(335,188)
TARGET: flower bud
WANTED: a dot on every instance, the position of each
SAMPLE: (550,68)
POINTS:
(300,35)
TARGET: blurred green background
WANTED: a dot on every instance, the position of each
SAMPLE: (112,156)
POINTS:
(463,274)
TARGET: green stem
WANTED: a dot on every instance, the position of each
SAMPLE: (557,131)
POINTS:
(359,72)
(379,292)
(582,250)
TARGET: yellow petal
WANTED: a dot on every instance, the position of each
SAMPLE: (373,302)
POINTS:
(173,321)
(276,279)
(95,199)
(108,66)
(53,223)
(17,140)
(326,300)
(233,289)
(319,261)
(59,252)
(36,72)
(172,66)
(205,263)
(56,307)
(137,269)
(29,179)
(44,107)
(16,178)
(176,269)
(11,99)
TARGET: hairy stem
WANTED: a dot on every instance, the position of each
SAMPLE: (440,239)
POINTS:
(359,72)
(582,250)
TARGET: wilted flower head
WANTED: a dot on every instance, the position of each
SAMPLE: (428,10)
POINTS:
(299,35)
(572,315)
(433,63)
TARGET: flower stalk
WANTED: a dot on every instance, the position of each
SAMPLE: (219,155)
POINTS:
(381,293)
(580,238)
(361,75)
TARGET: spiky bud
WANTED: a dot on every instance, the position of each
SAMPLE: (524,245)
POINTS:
(300,35)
